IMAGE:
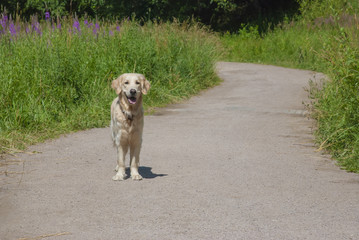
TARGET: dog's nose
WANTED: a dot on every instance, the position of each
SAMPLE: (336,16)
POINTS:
(133,91)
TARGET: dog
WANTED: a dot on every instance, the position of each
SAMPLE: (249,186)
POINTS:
(127,121)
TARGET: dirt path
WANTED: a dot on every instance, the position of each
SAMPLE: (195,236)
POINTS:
(236,162)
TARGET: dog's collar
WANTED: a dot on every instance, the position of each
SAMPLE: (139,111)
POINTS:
(127,115)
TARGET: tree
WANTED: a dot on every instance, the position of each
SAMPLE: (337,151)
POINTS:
(219,14)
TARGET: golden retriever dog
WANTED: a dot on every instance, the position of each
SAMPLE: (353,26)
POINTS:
(127,121)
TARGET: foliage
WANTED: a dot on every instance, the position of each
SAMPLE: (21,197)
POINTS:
(28,8)
(219,14)
(56,74)
(336,108)
(312,10)
(289,45)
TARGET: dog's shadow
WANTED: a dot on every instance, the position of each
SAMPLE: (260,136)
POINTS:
(146,172)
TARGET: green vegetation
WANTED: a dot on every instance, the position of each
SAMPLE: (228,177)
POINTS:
(56,75)
(323,38)
(288,45)
(218,14)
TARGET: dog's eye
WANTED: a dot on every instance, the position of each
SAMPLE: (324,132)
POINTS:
(137,82)
(126,82)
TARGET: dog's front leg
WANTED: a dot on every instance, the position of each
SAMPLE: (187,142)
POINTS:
(135,160)
(120,168)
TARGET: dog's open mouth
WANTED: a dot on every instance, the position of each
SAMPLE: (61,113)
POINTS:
(131,100)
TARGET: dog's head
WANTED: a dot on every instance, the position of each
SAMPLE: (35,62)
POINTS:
(132,85)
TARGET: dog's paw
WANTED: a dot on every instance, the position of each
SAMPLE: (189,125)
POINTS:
(119,177)
(116,169)
(136,177)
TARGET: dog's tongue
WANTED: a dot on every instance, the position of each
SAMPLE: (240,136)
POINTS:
(132,100)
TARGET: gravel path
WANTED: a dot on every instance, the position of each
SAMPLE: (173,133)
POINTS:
(236,162)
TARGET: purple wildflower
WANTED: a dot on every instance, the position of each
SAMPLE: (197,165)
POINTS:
(27,30)
(3,23)
(59,26)
(76,26)
(12,29)
(47,15)
(86,22)
(95,29)
(90,25)
(110,33)
(118,28)
(36,27)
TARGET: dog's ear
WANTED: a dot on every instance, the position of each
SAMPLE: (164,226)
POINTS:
(116,84)
(145,85)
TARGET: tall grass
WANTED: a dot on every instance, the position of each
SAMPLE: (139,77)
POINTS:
(336,105)
(288,45)
(324,38)
(56,74)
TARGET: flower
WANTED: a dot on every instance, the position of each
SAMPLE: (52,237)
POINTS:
(12,29)
(76,26)
(36,26)
(5,18)
(118,28)
(96,28)
(47,15)
(3,22)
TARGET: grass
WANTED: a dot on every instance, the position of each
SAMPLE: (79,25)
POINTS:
(336,105)
(288,45)
(324,38)
(56,74)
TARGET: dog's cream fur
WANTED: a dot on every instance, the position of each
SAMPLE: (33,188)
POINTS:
(127,121)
